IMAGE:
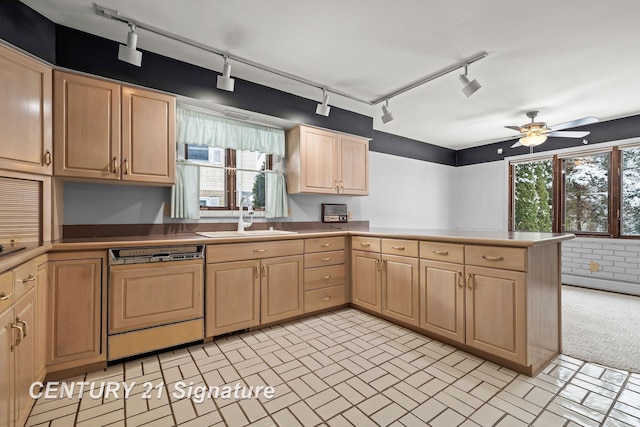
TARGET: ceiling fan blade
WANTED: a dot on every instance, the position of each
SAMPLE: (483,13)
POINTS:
(568,134)
(517,144)
(575,123)
(516,128)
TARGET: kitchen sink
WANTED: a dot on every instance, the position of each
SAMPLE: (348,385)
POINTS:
(248,233)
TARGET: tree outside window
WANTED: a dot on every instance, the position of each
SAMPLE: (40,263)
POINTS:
(532,196)
(630,214)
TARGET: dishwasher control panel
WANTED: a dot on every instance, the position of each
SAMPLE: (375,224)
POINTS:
(143,255)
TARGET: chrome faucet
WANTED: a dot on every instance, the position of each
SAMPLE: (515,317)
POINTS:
(244,200)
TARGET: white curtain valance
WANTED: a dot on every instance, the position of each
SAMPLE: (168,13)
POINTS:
(193,127)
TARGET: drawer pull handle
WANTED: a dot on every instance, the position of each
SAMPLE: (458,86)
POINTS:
(437,252)
(325,259)
(400,248)
(115,165)
(260,250)
(469,277)
(366,245)
(47,158)
(257,272)
(492,258)
(30,278)
(24,328)
(324,245)
(4,297)
(125,164)
(325,299)
(326,277)
(20,338)
(460,285)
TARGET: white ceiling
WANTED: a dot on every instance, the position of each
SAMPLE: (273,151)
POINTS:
(568,59)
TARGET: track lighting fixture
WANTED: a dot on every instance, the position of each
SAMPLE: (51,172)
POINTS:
(129,53)
(387,115)
(323,107)
(225,82)
(470,87)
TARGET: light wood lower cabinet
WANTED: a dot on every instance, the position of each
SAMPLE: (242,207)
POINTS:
(42,287)
(496,312)
(281,288)
(76,310)
(7,414)
(400,288)
(366,282)
(245,287)
(442,291)
(25,355)
(233,296)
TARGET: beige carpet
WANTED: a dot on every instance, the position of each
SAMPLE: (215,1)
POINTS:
(601,327)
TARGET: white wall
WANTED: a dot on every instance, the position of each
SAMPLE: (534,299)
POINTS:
(408,193)
(481,197)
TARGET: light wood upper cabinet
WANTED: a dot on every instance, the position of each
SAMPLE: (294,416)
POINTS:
(111,132)
(325,162)
(148,136)
(76,310)
(25,113)
(87,127)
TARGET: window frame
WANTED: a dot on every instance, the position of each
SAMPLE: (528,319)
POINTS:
(615,187)
(230,179)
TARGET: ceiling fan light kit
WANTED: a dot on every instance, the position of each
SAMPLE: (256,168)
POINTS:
(535,133)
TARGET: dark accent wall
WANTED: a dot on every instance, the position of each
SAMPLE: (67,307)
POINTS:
(610,130)
(95,55)
(73,49)
(27,29)
(404,147)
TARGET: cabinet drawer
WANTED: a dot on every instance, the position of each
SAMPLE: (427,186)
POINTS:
(400,247)
(322,277)
(324,298)
(6,290)
(446,252)
(25,276)
(253,250)
(321,259)
(322,244)
(496,257)
(371,244)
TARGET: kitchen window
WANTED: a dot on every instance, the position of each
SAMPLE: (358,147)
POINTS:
(228,174)
(595,193)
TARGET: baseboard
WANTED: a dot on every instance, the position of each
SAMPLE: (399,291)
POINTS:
(601,284)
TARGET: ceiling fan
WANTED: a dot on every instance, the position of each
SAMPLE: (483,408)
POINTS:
(535,133)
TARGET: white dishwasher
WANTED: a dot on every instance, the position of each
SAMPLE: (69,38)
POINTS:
(155,299)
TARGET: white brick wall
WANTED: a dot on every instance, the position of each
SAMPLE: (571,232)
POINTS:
(618,264)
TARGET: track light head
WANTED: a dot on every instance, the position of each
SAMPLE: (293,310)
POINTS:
(469,87)
(323,108)
(225,82)
(387,115)
(129,53)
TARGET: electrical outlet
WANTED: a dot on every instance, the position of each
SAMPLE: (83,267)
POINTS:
(594,266)
(166,209)
(350,215)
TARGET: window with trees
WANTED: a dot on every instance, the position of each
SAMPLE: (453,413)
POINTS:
(587,193)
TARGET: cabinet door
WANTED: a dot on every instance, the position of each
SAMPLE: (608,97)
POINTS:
(282,291)
(319,161)
(24,355)
(495,312)
(147,295)
(232,297)
(366,284)
(400,288)
(7,339)
(25,113)
(87,127)
(442,299)
(148,136)
(41,321)
(354,166)
(75,312)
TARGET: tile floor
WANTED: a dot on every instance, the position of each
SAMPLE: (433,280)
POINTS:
(347,368)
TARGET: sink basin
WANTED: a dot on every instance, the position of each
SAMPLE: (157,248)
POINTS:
(248,233)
